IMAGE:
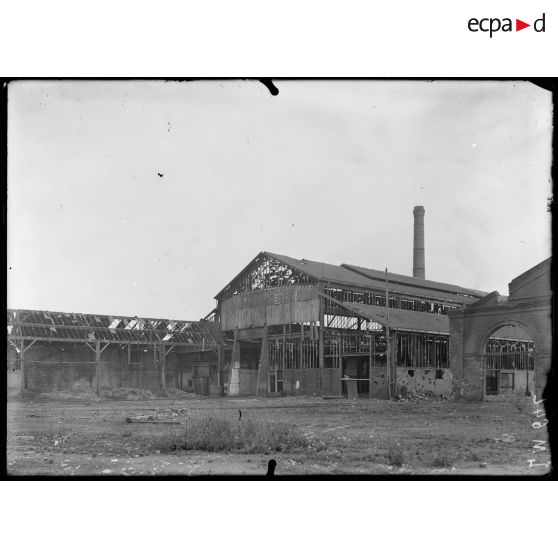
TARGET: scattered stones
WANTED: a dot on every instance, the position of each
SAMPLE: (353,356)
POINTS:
(422,396)
(508,438)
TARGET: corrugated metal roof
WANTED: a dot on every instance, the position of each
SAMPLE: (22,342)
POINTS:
(402,320)
(397,279)
(322,270)
(49,325)
(374,279)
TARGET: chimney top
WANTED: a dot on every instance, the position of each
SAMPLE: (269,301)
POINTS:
(418,209)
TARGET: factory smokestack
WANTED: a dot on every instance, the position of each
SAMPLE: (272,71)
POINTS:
(418,245)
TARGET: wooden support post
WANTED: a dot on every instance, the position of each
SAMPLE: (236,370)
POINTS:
(284,361)
(234,369)
(219,358)
(23,349)
(263,367)
(98,366)
(370,369)
(321,340)
(321,333)
(301,352)
(388,347)
(394,362)
(340,352)
(22,367)
(163,366)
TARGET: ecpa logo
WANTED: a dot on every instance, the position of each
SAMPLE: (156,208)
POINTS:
(494,24)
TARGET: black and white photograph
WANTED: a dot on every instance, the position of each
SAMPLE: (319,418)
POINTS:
(297,278)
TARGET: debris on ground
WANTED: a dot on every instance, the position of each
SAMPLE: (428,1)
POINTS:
(174,393)
(150,419)
(64,395)
(423,396)
(93,433)
(505,438)
(129,394)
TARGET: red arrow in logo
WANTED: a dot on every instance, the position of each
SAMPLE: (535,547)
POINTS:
(519,25)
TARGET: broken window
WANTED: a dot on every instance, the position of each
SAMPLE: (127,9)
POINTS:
(418,349)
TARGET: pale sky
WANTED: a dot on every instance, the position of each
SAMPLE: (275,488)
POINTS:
(326,170)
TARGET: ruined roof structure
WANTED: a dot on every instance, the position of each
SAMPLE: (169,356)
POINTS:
(285,270)
(75,327)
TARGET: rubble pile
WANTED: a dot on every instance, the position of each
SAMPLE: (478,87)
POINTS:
(423,396)
(63,395)
(174,393)
(129,394)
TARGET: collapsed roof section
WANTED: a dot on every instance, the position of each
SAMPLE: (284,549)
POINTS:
(74,327)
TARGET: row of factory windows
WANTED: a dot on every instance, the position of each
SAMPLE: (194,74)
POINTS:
(411,349)
(395,301)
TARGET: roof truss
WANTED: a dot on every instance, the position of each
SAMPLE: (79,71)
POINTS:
(72,327)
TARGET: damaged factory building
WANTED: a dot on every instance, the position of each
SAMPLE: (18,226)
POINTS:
(57,351)
(299,327)
(285,326)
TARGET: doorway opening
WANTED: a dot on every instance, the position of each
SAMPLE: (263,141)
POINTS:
(356,368)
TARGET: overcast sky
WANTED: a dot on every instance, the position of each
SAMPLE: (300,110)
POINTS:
(326,170)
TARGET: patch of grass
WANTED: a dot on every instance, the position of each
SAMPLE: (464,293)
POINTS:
(522,404)
(395,455)
(215,434)
(444,457)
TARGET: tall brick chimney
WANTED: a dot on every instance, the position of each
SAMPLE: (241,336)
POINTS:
(418,244)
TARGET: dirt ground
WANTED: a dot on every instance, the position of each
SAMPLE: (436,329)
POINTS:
(371,437)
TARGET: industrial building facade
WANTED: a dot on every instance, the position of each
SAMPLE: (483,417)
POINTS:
(286,326)
(304,327)
(503,345)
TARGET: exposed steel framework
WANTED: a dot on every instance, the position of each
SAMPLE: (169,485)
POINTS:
(73,327)
(97,332)
(264,272)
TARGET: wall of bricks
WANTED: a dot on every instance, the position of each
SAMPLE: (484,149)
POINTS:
(470,330)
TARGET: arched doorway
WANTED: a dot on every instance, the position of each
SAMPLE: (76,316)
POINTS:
(508,361)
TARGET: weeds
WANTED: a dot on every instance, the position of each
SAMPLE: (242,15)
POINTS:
(394,455)
(444,457)
(221,435)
